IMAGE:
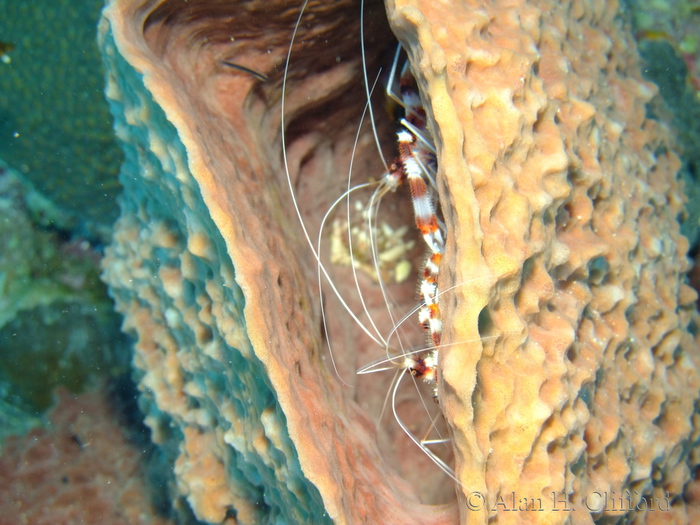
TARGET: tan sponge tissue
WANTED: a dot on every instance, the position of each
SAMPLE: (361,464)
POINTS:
(557,186)
(567,366)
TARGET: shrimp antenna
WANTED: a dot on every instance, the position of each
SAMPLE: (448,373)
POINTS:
(285,161)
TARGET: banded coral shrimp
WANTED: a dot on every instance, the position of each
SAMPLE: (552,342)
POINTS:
(375,328)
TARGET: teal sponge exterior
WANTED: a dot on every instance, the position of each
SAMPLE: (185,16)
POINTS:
(206,395)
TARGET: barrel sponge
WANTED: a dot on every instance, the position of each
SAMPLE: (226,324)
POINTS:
(567,365)
(229,363)
(557,186)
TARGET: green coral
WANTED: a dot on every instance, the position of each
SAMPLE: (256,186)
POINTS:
(73,349)
(55,126)
(668,43)
(665,67)
(57,324)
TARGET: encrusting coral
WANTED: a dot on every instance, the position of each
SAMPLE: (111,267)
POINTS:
(81,469)
(568,369)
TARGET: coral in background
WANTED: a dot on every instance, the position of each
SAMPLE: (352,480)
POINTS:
(57,324)
(569,363)
(15,420)
(54,124)
(65,343)
(81,469)
(669,43)
(672,21)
